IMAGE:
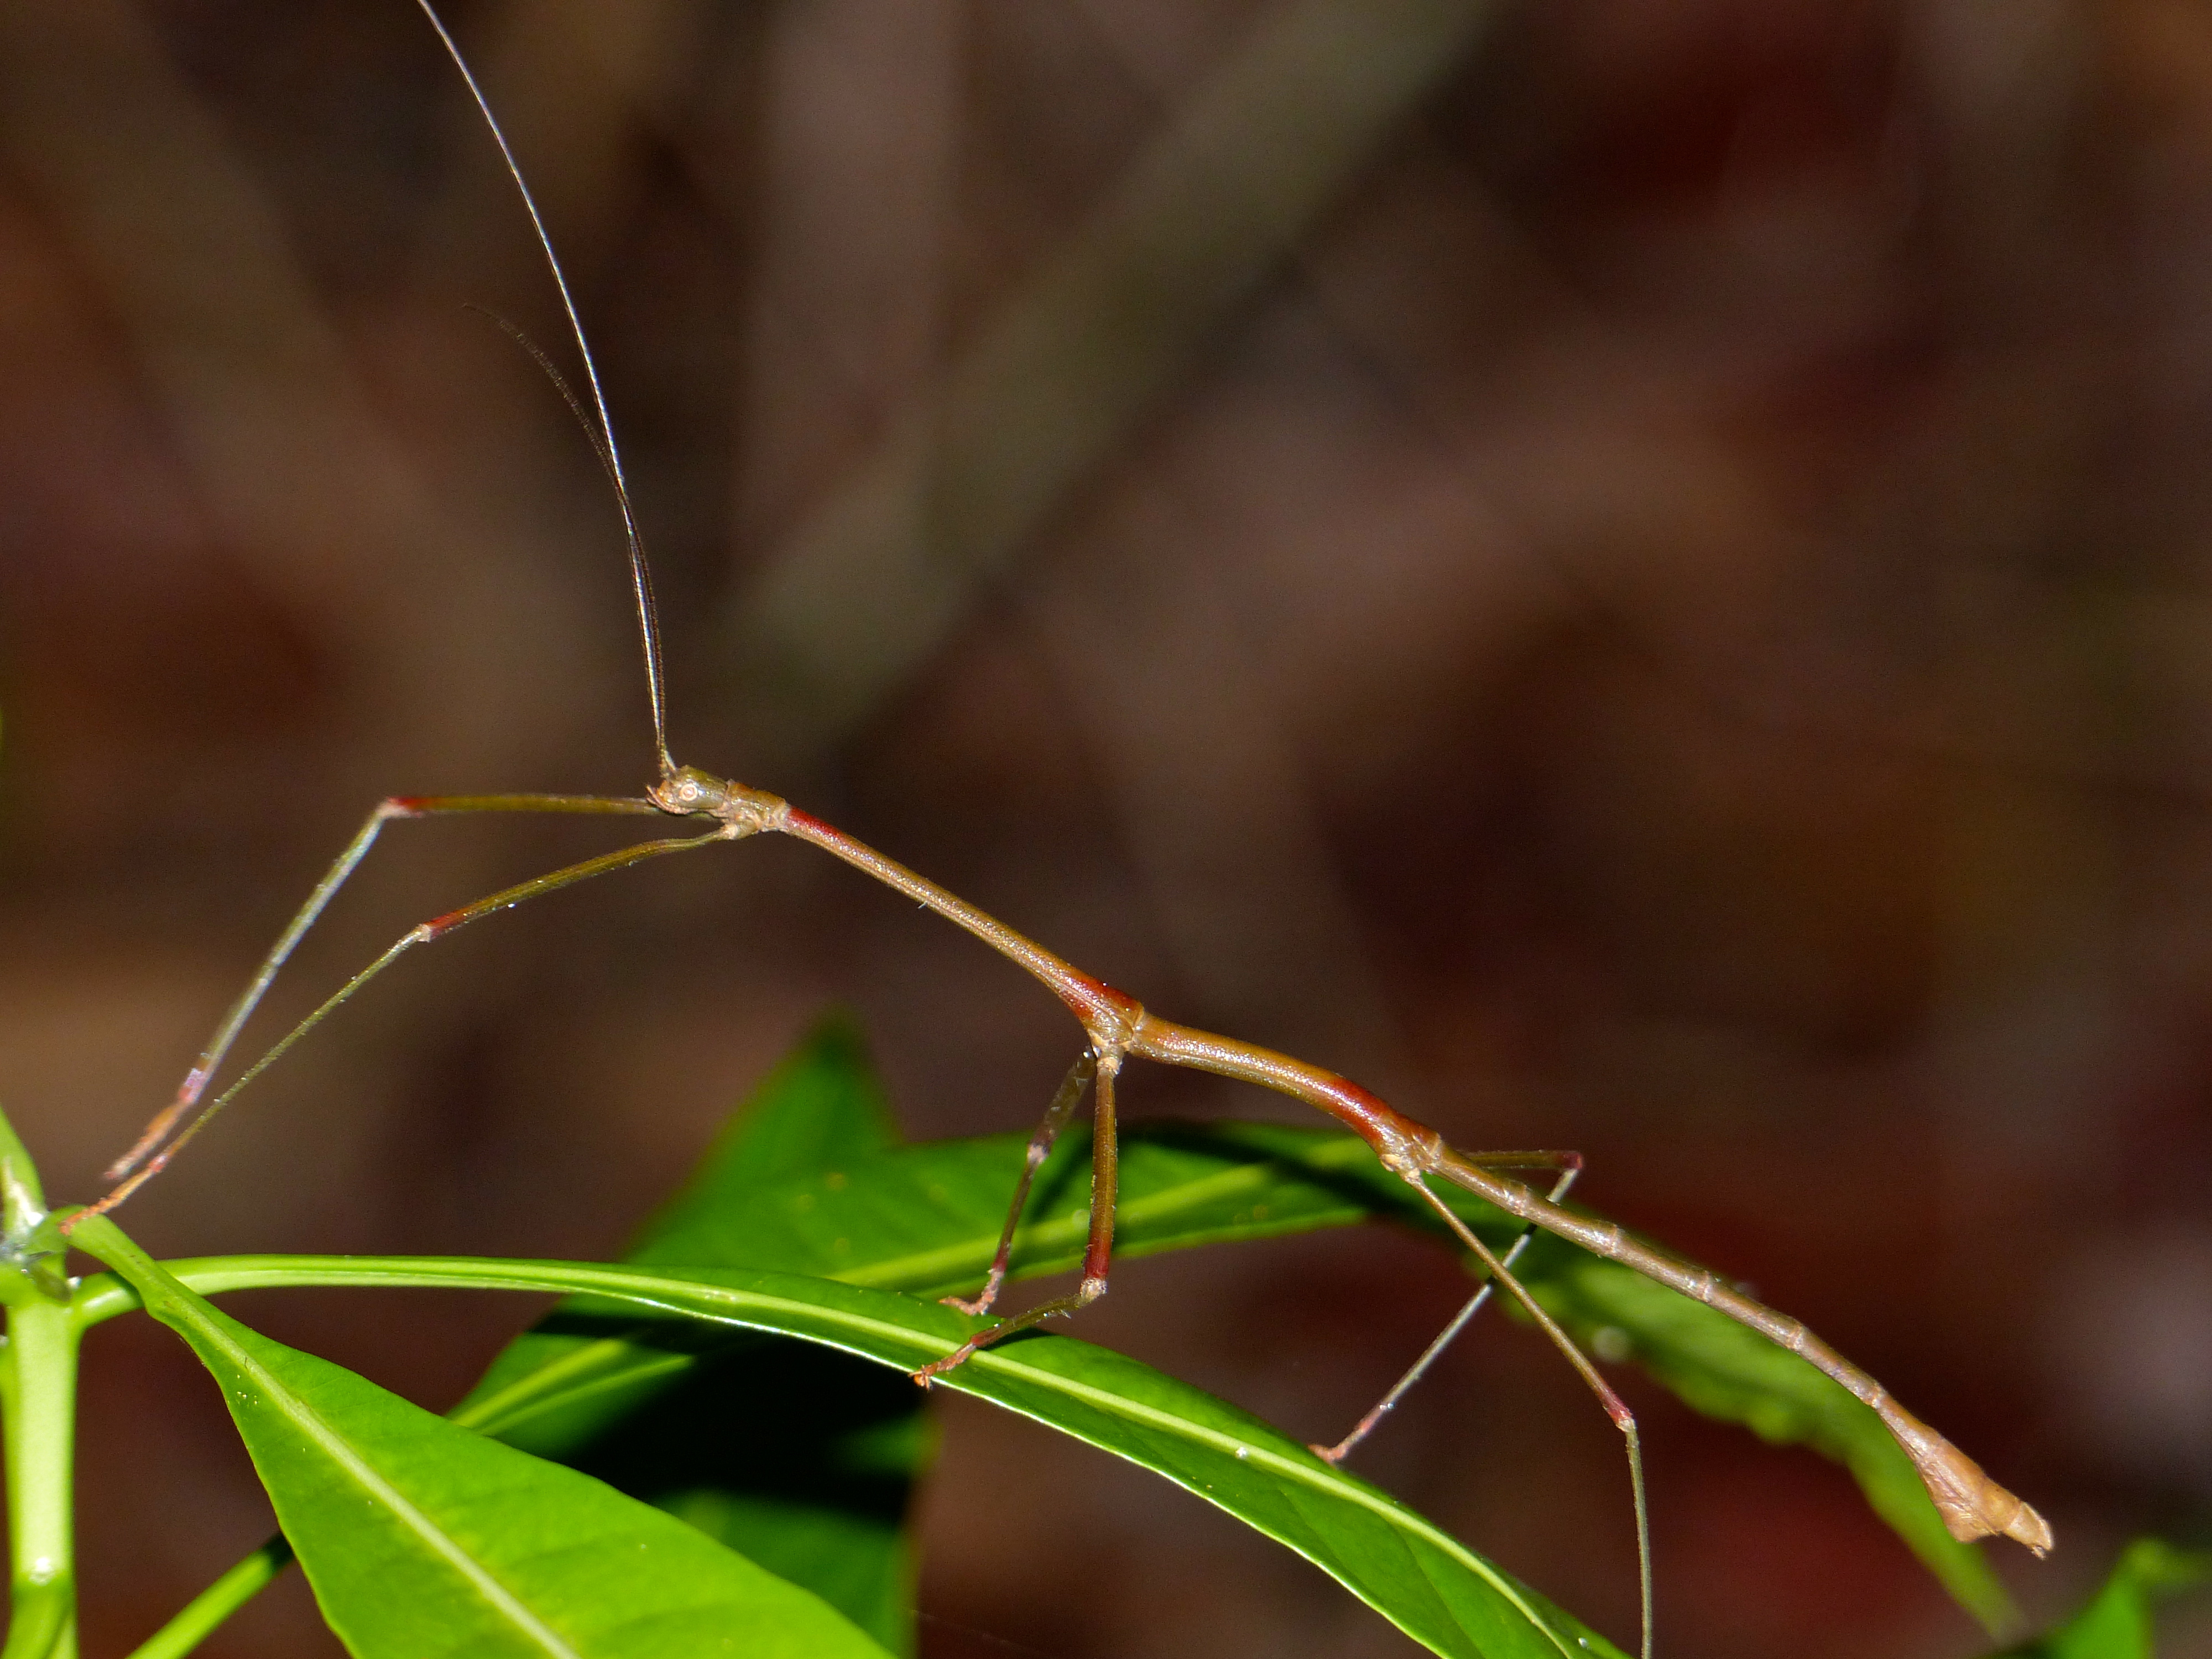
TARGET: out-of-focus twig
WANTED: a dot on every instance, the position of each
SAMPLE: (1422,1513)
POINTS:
(861,595)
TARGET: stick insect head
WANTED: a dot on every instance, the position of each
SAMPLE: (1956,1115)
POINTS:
(687,792)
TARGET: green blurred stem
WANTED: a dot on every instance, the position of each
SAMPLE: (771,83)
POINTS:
(207,1610)
(38,1405)
(38,1393)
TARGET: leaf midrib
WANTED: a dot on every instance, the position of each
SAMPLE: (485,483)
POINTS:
(821,1320)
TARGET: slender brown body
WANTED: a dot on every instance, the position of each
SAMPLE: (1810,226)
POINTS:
(1971,1504)
(1118,1027)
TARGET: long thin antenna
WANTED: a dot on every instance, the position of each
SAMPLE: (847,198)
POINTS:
(640,578)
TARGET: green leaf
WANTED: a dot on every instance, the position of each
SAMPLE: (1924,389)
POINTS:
(422,1539)
(925,1219)
(824,1502)
(555,1394)
(1423,1580)
(2116,1623)
(822,1107)
(825,1509)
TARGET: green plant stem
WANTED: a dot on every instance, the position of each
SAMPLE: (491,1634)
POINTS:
(207,1610)
(38,1402)
(37,1393)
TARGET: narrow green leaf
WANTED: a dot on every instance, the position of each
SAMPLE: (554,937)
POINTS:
(800,1458)
(422,1539)
(825,1504)
(823,1501)
(822,1107)
(925,1219)
(1424,1582)
(2116,1623)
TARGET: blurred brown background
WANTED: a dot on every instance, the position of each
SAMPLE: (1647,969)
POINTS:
(1633,576)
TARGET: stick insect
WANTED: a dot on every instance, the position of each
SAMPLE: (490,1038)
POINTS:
(1116,1026)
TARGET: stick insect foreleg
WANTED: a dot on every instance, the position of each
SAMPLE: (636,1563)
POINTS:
(437,927)
(342,868)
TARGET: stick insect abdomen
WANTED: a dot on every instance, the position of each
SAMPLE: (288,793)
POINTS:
(1971,1504)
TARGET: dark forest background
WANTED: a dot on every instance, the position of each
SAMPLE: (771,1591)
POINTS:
(1634,577)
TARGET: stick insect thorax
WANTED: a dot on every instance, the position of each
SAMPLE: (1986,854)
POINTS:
(1116,1026)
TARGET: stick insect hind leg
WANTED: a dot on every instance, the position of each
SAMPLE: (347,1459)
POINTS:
(1570,1164)
(1615,1407)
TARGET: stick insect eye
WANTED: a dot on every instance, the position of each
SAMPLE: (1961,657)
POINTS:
(690,790)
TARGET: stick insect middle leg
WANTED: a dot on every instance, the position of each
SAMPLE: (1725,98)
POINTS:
(1065,1100)
(1098,1253)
